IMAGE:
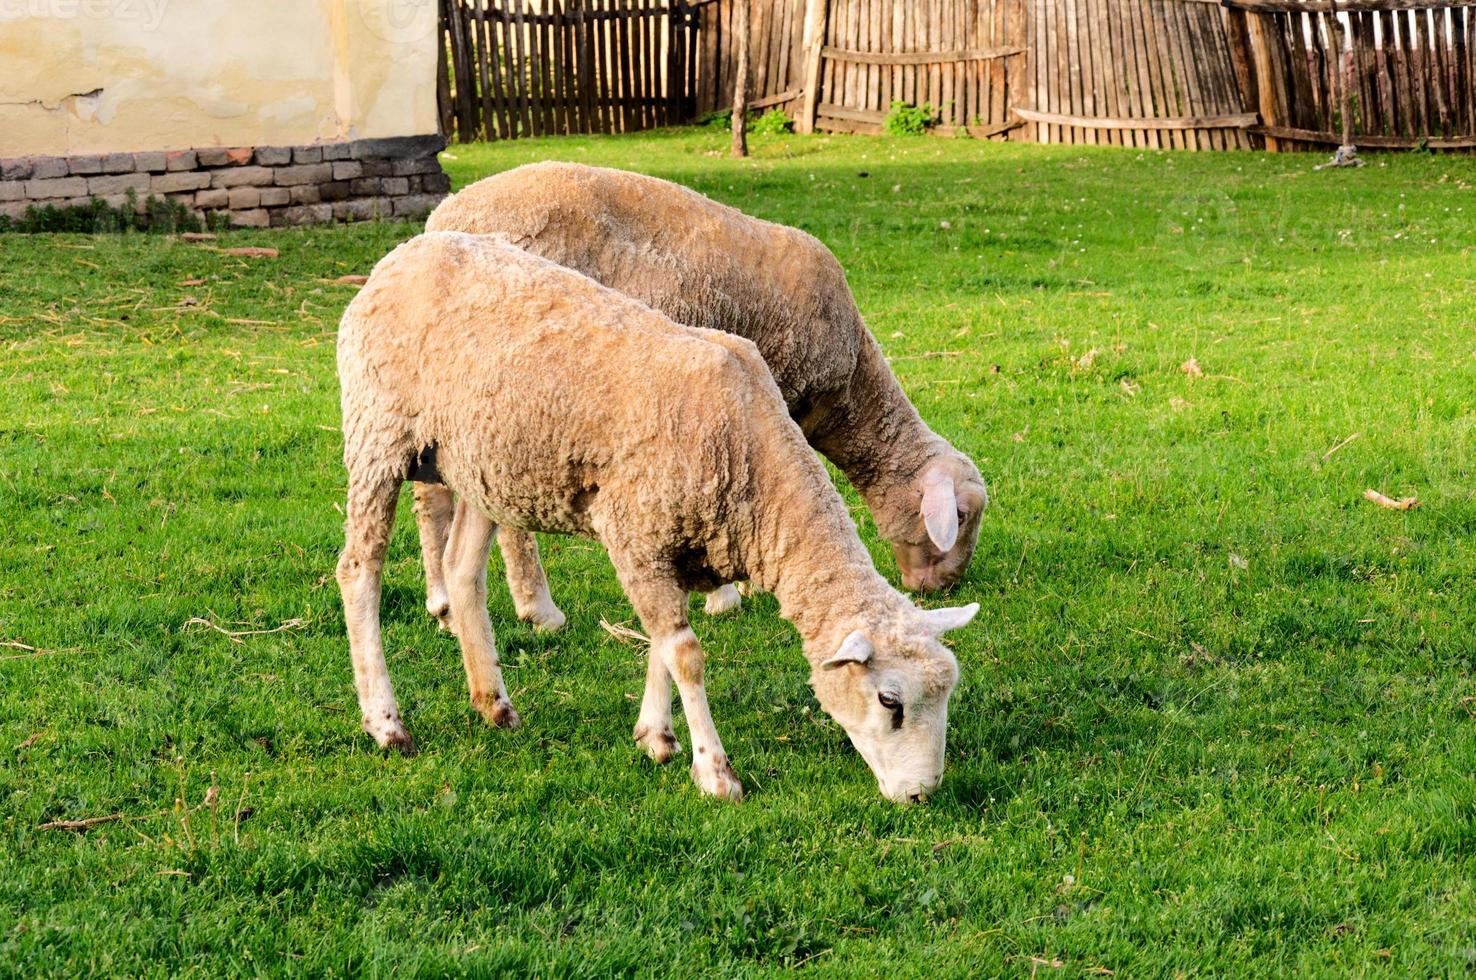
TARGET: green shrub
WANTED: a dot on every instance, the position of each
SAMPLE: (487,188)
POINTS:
(772,123)
(716,120)
(905,119)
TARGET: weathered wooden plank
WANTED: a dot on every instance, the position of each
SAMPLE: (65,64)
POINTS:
(1439,73)
(1170,94)
(1087,56)
(444,112)
(1240,54)
(1142,102)
(621,91)
(1370,142)
(1370,115)
(1239,120)
(851,114)
(1329,6)
(816,22)
(1116,64)
(1080,66)
(480,29)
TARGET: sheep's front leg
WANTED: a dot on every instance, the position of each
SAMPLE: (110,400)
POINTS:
(433,509)
(662,607)
(371,518)
(466,577)
(526,581)
(684,660)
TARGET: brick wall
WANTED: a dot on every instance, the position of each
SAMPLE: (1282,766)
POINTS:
(253,187)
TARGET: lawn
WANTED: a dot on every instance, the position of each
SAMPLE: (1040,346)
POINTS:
(1218,715)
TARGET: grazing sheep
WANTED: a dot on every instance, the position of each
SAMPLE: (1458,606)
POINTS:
(548,402)
(707,265)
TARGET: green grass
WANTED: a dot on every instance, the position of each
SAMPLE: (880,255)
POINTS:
(1217,716)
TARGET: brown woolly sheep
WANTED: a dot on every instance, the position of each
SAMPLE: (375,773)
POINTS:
(707,265)
(548,402)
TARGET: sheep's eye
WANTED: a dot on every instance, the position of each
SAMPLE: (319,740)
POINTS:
(889,701)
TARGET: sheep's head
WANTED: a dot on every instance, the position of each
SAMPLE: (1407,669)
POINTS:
(888,686)
(946,504)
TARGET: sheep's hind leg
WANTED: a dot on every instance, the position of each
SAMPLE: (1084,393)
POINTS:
(526,581)
(433,509)
(466,576)
(653,731)
(724,599)
(371,518)
(662,607)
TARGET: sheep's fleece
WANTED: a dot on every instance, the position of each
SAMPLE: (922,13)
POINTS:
(707,265)
(548,402)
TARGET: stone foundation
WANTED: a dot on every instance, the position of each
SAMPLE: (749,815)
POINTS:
(252,187)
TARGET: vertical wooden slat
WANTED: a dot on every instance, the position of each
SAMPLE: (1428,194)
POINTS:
(445,117)
(1224,90)
(548,75)
(458,67)
(1437,76)
(636,96)
(477,21)
(1455,32)
(898,73)
(622,92)
(1108,57)
(1071,94)
(816,24)
(560,66)
(1191,96)
(1164,103)
(542,118)
(1245,77)
(1147,76)
(651,63)
(1117,69)
(1058,84)
(671,84)
(1389,104)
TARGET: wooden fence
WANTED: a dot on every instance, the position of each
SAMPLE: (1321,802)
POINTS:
(775,55)
(1133,72)
(964,59)
(518,68)
(1413,71)
(1195,74)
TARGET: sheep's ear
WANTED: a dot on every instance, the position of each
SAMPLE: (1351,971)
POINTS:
(940,510)
(940,621)
(856,649)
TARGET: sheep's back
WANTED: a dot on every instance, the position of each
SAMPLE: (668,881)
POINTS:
(537,386)
(701,263)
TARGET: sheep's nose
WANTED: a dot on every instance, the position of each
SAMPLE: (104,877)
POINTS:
(917,797)
(923,579)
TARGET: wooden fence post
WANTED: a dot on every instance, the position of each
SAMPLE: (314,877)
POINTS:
(1243,61)
(740,81)
(817,13)
(1270,107)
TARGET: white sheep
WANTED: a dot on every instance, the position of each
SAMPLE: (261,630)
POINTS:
(707,265)
(549,402)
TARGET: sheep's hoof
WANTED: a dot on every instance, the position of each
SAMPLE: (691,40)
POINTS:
(716,778)
(544,619)
(391,735)
(723,600)
(660,744)
(438,604)
(498,712)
